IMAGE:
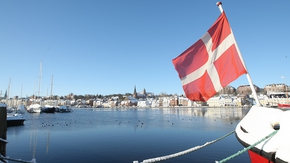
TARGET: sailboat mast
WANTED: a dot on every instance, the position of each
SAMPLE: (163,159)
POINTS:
(40,77)
(219,4)
(21,90)
(51,87)
(8,91)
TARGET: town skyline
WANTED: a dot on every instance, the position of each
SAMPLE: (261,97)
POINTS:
(280,88)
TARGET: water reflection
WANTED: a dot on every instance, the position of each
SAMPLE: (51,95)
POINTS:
(108,133)
(235,112)
(222,113)
(33,143)
(16,130)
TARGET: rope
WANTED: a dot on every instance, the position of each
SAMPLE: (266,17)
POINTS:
(3,140)
(17,160)
(162,158)
(246,149)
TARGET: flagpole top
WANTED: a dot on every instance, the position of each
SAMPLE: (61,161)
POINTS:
(219,4)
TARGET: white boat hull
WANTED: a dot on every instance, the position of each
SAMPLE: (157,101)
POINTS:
(34,108)
(260,122)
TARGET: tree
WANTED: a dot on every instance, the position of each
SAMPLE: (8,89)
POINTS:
(163,94)
(128,94)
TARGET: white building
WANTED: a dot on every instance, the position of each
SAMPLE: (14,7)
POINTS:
(221,101)
(144,103)
(155,103)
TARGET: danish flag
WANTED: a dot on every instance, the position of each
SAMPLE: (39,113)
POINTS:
(211,63)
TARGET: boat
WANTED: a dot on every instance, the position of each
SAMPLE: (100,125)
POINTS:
(63,109)
(212,63)
(48,109)
(283,106)
(11,110)
(15,119)
(21,109)
(34,108)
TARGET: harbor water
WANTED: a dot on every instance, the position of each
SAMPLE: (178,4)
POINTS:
(124,135)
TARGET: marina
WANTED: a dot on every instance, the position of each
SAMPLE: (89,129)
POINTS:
(125,135)
(211,121)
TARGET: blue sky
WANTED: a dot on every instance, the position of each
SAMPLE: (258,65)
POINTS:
(110,46)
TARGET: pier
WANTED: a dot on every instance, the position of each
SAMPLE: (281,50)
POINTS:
(3,129)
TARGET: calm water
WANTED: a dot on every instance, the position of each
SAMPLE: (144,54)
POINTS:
(126,135)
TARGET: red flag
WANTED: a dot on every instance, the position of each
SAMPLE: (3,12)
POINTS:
(211,63)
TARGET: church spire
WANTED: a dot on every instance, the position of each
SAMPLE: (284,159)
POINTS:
(144,91)
(135,92)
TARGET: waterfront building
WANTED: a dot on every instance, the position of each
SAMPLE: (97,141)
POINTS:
(129,101)
(155,103)
(108,104)
(213,101)
(164,101)
(65,102)
(264,99)
(173,101)
(276,88)
(97,103)
(246,89)
(224,100)
(183,101)
(228,90)
(144,103)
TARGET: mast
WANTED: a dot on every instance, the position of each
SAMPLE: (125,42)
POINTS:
(219,4)
(8,92)
(51,87)
(40,77)
(21,90)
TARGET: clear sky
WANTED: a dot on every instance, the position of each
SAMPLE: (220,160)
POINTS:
(109,46)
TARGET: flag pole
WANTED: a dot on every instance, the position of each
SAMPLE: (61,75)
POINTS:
(219,4)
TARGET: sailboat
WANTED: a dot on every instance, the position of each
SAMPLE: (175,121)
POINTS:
(36,107)
(49,108)
(12,118)
(212,63)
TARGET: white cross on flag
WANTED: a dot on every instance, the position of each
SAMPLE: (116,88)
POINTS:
(211,63)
